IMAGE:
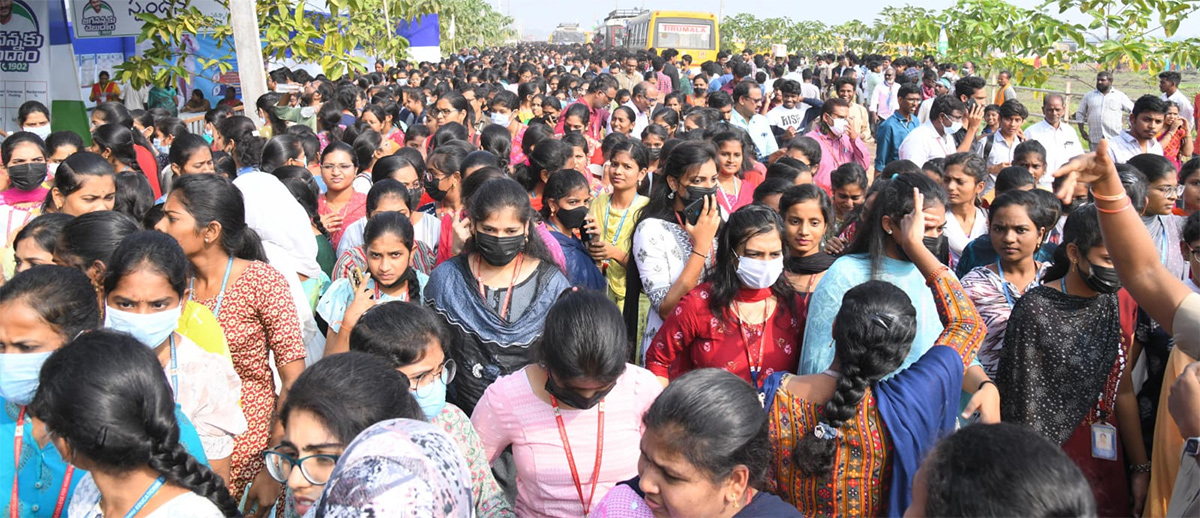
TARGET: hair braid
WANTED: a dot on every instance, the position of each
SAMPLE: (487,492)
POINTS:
(414,284)
(172,461)
(813,456)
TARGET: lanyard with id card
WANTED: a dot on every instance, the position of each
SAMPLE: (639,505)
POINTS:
(1104,441)
(1104,435)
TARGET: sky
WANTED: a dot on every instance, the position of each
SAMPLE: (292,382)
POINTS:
(539,17)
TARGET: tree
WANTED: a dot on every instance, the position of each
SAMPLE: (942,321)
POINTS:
(164,63)
(476,24)
(1126,32)
(331,39)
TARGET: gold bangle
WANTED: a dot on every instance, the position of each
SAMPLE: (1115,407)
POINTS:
(1114,197)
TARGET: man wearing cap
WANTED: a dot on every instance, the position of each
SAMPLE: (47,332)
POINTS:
(941,87)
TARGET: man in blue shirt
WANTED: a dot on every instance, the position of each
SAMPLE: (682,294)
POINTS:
(891,132)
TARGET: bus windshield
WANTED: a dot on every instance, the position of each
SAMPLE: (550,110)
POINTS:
(682,33)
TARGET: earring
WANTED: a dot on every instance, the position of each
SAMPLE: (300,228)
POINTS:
(889,231)
(671,195)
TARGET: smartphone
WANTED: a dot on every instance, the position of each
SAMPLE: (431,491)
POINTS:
(584,235)
(356,276)
(691,213)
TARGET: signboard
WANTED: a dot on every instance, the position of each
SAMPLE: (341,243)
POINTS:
(679,28)
(107,18)
(24,57)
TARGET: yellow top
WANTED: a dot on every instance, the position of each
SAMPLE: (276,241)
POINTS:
(619,234)
(200,325)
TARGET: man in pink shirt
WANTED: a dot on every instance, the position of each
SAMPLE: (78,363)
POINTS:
(600,95)
(839,141)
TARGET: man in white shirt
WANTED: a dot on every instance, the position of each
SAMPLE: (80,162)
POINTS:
(1168,84)
(997,149)
(940,88)
(787,119)
(1060,140)
(934,139)
(1145,123)
(807,89)
(1102,111)
(642,104)
(747,100)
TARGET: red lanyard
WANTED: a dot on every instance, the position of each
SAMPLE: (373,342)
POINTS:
(403,295)
(507,296)
(14,503)
(562,432)
(745,332)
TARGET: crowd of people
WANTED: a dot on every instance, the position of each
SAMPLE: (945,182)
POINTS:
(572,281)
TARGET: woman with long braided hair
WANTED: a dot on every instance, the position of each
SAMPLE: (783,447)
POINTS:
(109,409)
(846,442)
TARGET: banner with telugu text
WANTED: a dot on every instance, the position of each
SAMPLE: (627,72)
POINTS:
(33,37)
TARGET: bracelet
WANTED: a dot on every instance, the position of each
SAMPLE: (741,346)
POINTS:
(1114,197)
(936,273)
(705,256)
(1140,468)
(1127,205)
(986,382)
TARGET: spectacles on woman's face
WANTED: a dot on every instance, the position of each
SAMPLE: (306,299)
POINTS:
(1170,191)
(423,385)
(315,468)
(444,113)
(340,167)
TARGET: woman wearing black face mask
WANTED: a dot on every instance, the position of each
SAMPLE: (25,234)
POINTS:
(564,209)
(23,158)
(674,240)
(496,293)
(1064,346)
(571,418)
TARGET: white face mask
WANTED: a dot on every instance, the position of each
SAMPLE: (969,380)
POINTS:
(839,126)
(151,329)
(758,274)
(501,119)
(41,131)
(952,128)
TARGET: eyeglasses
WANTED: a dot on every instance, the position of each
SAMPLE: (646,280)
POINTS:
(444,112)
(1170,191)
(340,167)
(423,385)
(315,468)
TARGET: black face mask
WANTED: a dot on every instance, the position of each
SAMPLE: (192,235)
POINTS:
(27,176)
(414,197)
(939,247)
(695,193)
(435,192)
(499,251)
(573,399)
(572,218)
(1100,279)
(655,152)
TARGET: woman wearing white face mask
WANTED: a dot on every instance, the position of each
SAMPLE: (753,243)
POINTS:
(33,117)
(40,311)
(146,289)
(503,109)
(743,319)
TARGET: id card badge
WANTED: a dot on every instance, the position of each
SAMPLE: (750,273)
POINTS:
(1104,441)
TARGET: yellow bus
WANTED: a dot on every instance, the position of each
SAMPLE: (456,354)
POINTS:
(689,32)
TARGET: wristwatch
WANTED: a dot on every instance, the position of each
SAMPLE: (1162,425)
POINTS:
(1191,447)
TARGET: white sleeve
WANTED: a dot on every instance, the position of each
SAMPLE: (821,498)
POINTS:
(651,243)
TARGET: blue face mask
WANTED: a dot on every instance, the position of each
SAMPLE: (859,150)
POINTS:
(150,329)
(432,398)
(19,376)
(161,148)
